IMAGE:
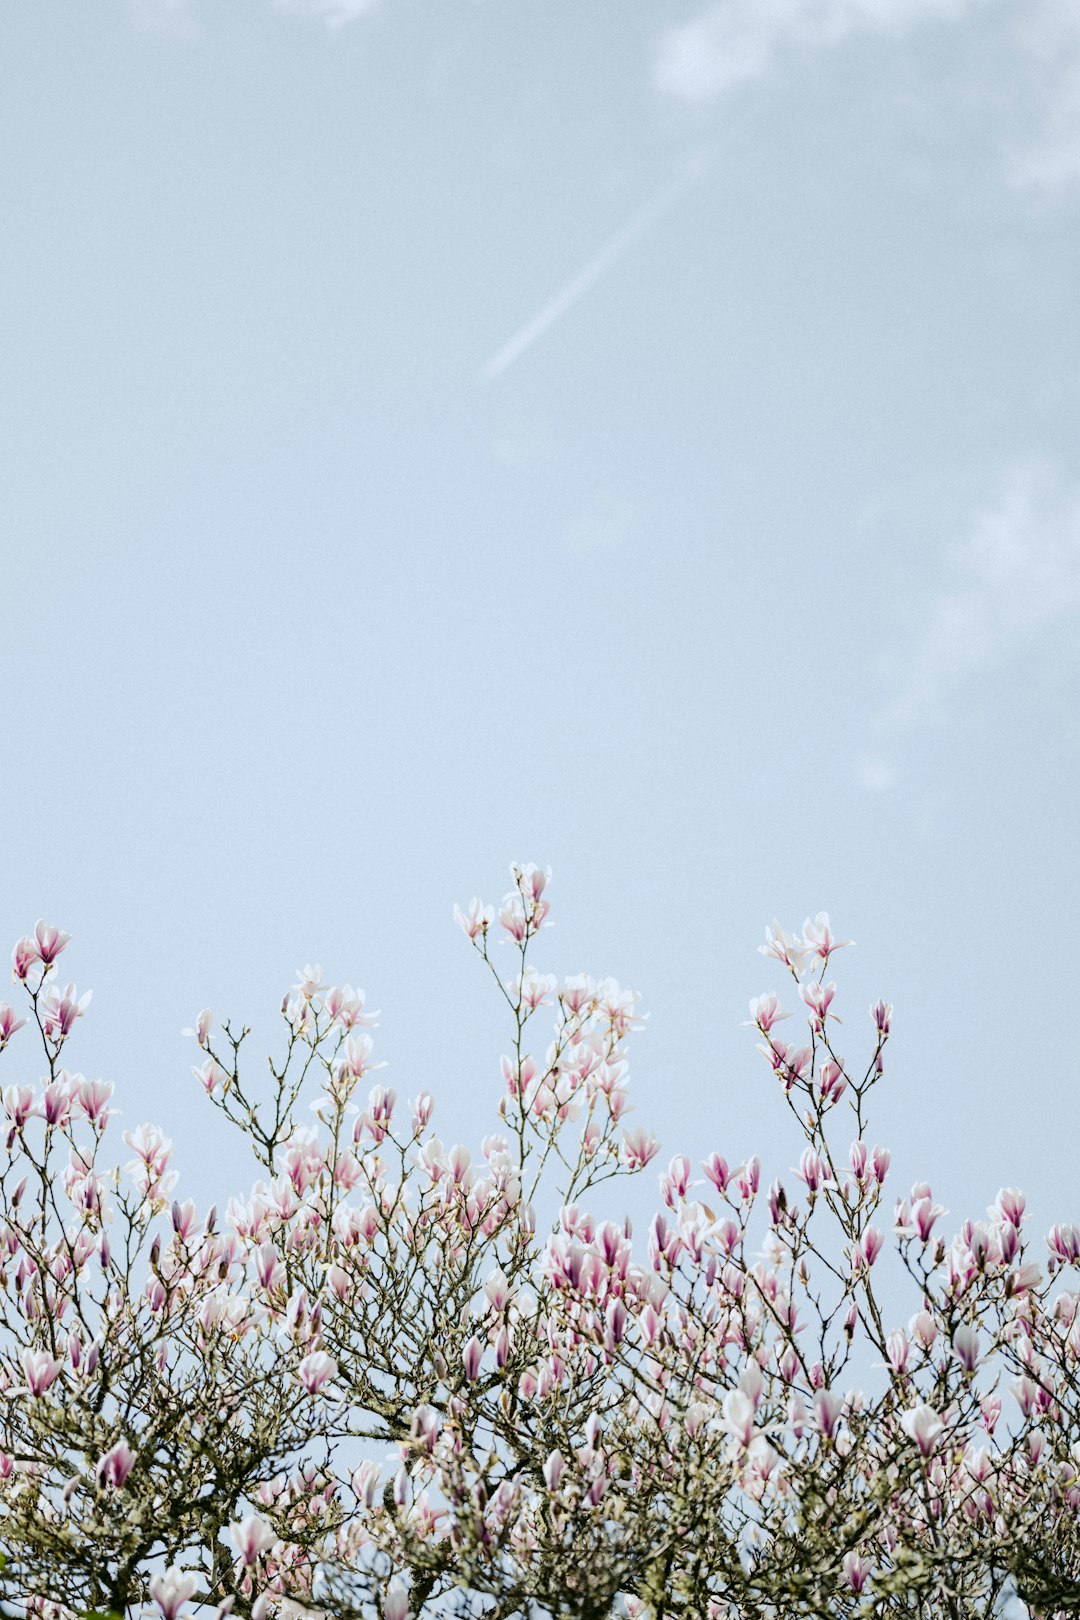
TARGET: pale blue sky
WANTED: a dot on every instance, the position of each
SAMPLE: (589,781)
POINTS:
(639,438)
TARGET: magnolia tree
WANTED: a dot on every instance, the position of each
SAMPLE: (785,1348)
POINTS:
(394,1379)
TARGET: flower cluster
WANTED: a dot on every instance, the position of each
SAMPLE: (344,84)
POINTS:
(399,1378)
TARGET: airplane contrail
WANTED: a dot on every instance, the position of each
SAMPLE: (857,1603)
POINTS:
(590,273)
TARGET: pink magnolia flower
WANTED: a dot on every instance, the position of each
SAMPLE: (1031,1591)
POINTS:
(832,1082)
(50,941)
(92,1099)
(639,1146)
(61,1008)
(269,1268)
(424,1427)
(923,1425)
(57,1098)
(867,1249)
(210,1075)
(309,982)
(203,1024)
(252,1537)
(923,1330)
(828,1407)
(738,1416)
(532,880)
(316,1370)
(813,1170)
(897,1348)
(396,1602)
(20,1104)
(819,998)
(553,1470)
(1064,1243)
(40,1370)
(966,1347)
(514,918)
(925,1213)
(346,1007)
(471,1357)
(717,1171)
(784,947)
(24,955)
(365,1483)
(577,993)
(421,1111)
(856,1571)
(881,1012)
(8,1023)
(818,939)
(115,1466)
(171,1591)
(765,1011)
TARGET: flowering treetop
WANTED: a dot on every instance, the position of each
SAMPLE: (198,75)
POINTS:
(380,1382)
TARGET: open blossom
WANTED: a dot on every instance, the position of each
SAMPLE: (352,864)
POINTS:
(738,1418)
(477,920)
(316,1370)
(9,1023)
(115,1466)
(1063,1241)
(856,1570)
(765,1011)
(92,1097)
(639,1146)
(346,1007)
(24,956)
(818,938)
(819,998)
(171,1591)
(49,941)
(20,1104)
(210,1075)
(309,982)
(61,1008)
(251,1537)
(40,1370)
(923,1425)
(785,947)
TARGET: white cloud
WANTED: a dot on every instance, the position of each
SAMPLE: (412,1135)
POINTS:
(335,13)
(1049,35)
(736,40)
(1037,92)
(1009,583)
(179,17)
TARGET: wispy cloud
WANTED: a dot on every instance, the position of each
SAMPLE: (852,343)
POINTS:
(1010,583)
(1049,35)
(335,13)
(180,17)
(1037,97)
(590,273)
(736,40)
